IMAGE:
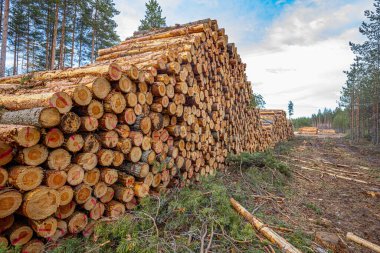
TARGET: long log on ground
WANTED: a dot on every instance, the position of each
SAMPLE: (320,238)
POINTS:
(262,228)
(352,237)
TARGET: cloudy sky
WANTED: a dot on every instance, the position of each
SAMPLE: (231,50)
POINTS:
(294,49)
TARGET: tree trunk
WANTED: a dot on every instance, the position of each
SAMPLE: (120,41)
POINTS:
(73,35)
(94,33)
(54,43)
(4,39)
(63,35)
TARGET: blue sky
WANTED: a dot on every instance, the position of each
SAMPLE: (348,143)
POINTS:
(294,49)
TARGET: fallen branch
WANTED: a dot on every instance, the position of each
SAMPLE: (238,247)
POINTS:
(262,228)
(362,242)
(335,175)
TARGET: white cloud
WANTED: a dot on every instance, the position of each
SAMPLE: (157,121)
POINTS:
(303,55)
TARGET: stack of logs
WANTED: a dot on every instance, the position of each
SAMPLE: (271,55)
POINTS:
(276,126)
(159,110)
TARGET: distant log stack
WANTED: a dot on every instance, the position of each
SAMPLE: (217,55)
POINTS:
(276,126)
(161,109)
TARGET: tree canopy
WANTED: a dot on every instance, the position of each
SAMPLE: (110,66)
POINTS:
(361,92)
(153,16)
(70,30)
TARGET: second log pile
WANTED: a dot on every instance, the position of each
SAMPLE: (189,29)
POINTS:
(159,110)
(276,126)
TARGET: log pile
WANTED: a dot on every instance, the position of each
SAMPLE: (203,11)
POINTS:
(161,109)
(308,130)
(276,126)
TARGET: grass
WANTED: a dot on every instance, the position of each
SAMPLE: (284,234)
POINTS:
(313,207)
(187,220)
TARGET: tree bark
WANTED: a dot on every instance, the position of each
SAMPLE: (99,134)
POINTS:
(73,35)
(63,35)
(4,39)
(55,32)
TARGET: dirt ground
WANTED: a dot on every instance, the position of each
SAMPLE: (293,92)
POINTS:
(335,188)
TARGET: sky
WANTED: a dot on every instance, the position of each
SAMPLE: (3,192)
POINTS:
(294,49)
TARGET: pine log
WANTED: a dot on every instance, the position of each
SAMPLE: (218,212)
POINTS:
(148,156)
(38,117)
(118,159)
(140,169)
(82,193)
(55,179)
(141,190)
(136,138)
(6,154)
(44,228)
(142,124)
(105,157)
(53,138)
(111,71)
(114,209)
(352,237)
(20,234)
(262,228)
(95,109)
(77,222)
(33,156)
(59,159)
(97,212)
(75,174)
(123,131)
(87,161)
(91,144)
(108,121)
(25,178)
(16,135)
(100,189)
(40,203)
(109,139)
(123,193)
(91,177)
(70,123)
(74,143)
(108,196)
(33,246)
(59,233)
(125,179)
(134,155)
(114,102)
(66,194)
(108,176)
(59,100)
(65,211)
(89,204)
(128,116)
(89,124)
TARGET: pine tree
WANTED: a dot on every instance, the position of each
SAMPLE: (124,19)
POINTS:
(361,93)
(153,16)
(290,108)
(4,38)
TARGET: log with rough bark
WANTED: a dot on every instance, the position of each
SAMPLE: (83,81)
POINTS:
(59,100)
(17,135)
(38,117)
